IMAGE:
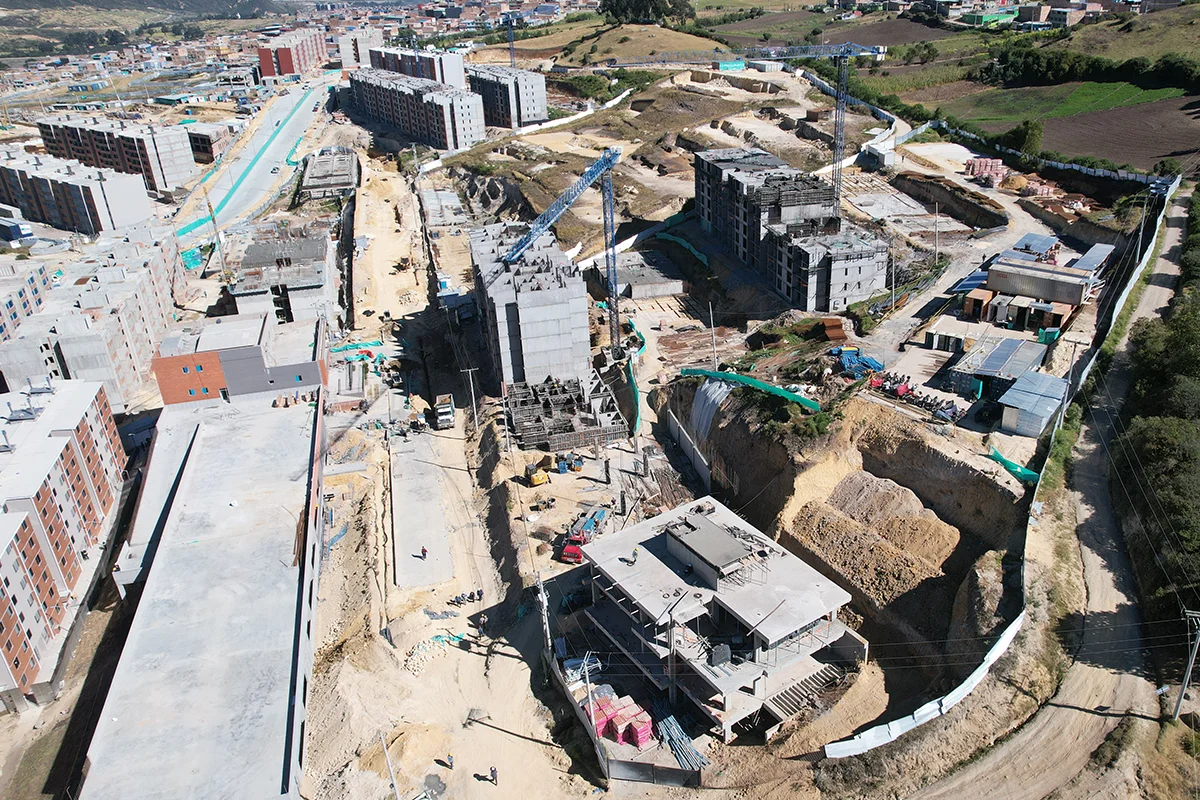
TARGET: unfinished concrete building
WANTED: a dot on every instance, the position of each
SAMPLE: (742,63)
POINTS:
(162,155)
(784,222)
(714,611)
(534,315)
(439,67)
(512,98)
(288,274)
(69,196)
(329,172)
(354,46)
(429,112)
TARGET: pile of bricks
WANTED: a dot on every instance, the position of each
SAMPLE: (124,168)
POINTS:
(621,719)
(1034,189)
(986,168)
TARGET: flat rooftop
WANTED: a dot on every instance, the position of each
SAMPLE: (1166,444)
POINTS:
(785,595)
(199,703)
(61,409)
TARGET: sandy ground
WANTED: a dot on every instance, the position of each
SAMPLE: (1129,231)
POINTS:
(382,195)
(1106,681)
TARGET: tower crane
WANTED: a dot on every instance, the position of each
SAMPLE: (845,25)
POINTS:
(512,45)
(598,170)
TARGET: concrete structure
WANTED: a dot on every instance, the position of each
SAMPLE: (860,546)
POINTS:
(1031,403)
(354,46)
(827,272)
(512,98)
(61,471)
(640,274)
(209,140)
(783,222)
(104,320)
(70,196)
(162,155)
(289,279)
(1031,269)
(439,67)
(228,357)
(23,289)
(227,539)
(534,312)
(432,113)
(292,54)
(329,172)
(705,604)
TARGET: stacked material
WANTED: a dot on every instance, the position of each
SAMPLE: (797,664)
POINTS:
(680,743)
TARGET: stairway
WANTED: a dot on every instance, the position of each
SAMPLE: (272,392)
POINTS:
(791,701)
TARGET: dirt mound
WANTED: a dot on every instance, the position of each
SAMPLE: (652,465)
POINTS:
(895,513)
(976,614)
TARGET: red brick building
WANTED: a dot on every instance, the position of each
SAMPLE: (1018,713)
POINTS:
(293,53)
(61,471)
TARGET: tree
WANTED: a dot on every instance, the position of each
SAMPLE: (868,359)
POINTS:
(1026,137)
(647,10)
(1167,167)
(115,38)
(766,37)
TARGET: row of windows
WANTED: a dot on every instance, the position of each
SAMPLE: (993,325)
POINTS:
(199,368)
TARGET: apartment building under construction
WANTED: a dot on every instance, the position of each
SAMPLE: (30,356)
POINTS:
(432,113)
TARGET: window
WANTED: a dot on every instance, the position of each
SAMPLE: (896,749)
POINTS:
(204,390)
(185,370)
(192,392)
(17,662)
(199,368)
(299,378)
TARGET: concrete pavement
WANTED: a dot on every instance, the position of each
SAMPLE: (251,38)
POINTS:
(419,516)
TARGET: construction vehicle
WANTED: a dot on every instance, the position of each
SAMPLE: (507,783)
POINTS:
(535,475)
(444,412)
(583,531)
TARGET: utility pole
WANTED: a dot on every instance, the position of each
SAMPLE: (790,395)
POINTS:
(471,382)
(388,759)
(712,330)
(937,249)
(1193,621)
(892,265)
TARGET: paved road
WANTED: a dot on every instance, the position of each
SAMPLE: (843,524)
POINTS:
(1109,677)
(243,183)
(419,517)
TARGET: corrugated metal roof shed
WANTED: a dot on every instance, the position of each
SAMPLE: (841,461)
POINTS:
(1036,242)
(1012,357)
(1031,402)
(972,281)
(1094,258)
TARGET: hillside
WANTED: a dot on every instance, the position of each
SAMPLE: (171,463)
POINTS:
(1175,30)
(178,8)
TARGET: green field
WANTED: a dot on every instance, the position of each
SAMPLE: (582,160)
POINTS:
(1174,30)
(915,79)
(1043,102)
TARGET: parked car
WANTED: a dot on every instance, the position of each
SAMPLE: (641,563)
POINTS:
(274,170)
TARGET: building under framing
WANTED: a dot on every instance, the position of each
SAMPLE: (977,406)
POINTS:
(712,610)
(564,415)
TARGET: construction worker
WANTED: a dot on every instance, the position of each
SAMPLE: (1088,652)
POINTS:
(495,780)
(633,558)
(424,553)
(479,595)
(450,760)
(482,621)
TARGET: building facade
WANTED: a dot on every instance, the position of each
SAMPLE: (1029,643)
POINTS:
(432,113)
(534,312)
(354,47)
(292,54)
(61,471)
(512,98)
(233,356)
(70,196)
(104,321)
(23,289)
(162,155)
(447,68)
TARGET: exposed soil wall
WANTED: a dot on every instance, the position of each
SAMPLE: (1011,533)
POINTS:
(975,210)
(1081,230)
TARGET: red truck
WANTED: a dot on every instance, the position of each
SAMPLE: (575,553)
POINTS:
(583,531)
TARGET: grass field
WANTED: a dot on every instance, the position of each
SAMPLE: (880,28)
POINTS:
(1047,102)
(640,40)
(912,80)
(1175,30)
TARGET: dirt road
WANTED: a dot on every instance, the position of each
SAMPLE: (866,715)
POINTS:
(1109,678)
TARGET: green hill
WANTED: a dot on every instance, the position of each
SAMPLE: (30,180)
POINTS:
(1175,30)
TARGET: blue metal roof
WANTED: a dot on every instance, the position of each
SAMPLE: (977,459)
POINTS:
(972,281)
(1036,242)
(1012,357)
(1037,393)
(1094,258)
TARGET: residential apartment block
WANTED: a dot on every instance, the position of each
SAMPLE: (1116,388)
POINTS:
(534,312)
(293,53)
(105,319)
(70,196)
(432,113)
(354,46)
(209,140)
(228,357)
(226,540)
(23,288)
(61,471)
(512,98)
(444,68)
(162,155)
(784,222)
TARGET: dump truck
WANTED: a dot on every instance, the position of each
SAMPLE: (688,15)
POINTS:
(444,412)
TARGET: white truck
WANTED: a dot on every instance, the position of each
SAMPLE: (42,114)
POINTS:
(443,411)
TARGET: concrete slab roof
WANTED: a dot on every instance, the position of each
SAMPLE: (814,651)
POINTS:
(223,333)
(60,410)
(199,703)
(782,595)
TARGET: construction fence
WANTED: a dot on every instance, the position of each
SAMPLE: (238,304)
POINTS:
(889,732)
